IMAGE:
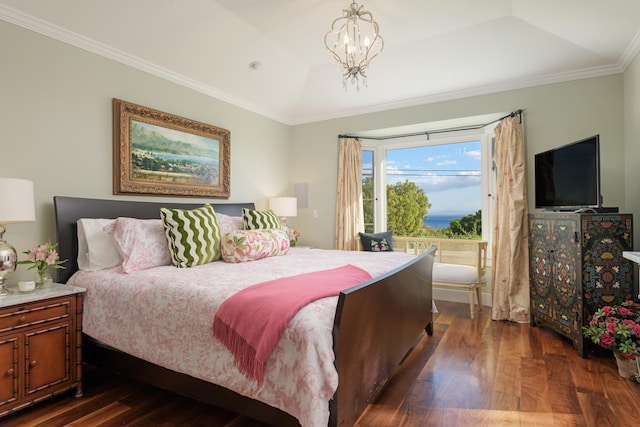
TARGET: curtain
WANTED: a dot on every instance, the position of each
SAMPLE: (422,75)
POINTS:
(349,215)
(510,273)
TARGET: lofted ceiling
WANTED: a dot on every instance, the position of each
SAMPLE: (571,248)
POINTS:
(434,49)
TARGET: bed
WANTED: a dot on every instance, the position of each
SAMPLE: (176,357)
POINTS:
(376,323)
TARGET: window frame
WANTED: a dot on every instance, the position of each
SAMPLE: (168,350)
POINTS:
(485,135)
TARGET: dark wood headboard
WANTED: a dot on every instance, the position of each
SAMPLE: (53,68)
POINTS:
(69,209)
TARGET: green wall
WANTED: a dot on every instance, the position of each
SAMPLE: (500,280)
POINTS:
(632,144)
(56,122)
(553,115)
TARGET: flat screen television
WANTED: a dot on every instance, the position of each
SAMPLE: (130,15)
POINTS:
(568,177)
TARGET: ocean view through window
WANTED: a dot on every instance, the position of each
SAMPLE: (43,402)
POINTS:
(438,182)
(439,221)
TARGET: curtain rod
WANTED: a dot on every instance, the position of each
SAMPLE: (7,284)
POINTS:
(427,133)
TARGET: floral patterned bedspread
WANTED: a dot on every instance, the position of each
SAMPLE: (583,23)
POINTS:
(164,315)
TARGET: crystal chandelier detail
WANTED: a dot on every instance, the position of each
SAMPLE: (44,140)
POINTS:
(354,41)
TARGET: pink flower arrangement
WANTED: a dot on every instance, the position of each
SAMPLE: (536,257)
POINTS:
(616,328)
(294,235)
(43,257)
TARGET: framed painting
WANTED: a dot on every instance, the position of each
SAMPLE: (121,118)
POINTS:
(156,153)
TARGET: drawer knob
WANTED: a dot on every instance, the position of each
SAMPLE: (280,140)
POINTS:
(9,372)
(33,363)
(22,319)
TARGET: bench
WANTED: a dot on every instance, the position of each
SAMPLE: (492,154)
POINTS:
(457,263)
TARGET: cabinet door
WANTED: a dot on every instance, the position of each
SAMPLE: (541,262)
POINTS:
(608,277)
(540,267)
(9,375)
(47,358)
(565,267)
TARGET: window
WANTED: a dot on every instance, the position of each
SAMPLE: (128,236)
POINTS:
(454,171)
(367,190)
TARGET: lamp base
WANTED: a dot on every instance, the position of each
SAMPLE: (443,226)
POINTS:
(4,291)
(8,259)
(285,227)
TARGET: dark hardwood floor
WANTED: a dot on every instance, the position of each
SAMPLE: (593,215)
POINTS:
(469,373)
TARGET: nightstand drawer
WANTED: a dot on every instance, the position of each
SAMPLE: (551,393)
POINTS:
(33,313)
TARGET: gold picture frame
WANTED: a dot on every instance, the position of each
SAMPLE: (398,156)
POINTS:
(157,153)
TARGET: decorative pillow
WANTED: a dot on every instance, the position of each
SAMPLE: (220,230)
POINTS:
(377,242)
(141,243)
(251,245)
(96,249)
(193,235)
(229,223)
(259,220)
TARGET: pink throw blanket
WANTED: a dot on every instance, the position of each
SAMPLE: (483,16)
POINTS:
(251,322)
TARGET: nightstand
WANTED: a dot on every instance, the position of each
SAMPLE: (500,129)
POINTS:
(40,345)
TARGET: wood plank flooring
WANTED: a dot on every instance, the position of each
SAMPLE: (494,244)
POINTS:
(469,373)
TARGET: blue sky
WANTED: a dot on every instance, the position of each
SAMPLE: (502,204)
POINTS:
(450,175)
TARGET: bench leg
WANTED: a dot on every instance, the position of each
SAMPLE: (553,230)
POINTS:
(479,295)
(471,301)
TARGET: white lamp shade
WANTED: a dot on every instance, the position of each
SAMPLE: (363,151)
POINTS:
(284,206)
(16,201)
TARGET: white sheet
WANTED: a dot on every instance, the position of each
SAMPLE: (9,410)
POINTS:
(164,315)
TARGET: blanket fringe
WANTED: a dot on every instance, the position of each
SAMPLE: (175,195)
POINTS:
(245,354)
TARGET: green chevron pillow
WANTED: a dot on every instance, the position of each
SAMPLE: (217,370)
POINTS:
(193,235)
(259,220)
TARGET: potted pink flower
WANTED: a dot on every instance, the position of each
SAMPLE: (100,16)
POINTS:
(617,328)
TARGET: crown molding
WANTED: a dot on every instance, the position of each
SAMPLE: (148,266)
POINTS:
(630,52)
(69,37)
(470,92)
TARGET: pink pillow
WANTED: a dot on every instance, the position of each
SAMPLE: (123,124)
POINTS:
(229,224)
(141,242)
(251,245)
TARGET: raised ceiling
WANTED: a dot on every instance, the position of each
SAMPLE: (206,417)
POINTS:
(434,50)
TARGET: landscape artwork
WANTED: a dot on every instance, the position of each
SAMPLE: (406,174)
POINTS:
(166,155)
(163,154)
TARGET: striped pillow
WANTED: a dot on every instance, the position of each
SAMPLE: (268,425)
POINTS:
(259,220)
(193,235)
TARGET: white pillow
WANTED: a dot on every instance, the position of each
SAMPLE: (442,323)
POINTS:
(96,249)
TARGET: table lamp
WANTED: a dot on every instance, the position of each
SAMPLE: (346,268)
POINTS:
(16,206)
(284,207)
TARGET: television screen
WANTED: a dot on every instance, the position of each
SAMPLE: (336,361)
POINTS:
(568,177)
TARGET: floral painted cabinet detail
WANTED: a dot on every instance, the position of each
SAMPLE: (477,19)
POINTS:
(576,266)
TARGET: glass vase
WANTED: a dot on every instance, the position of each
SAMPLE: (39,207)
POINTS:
(43,280)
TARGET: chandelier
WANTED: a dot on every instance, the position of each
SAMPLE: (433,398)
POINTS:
(354,41)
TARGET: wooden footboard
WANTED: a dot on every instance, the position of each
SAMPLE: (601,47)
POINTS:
(376,324)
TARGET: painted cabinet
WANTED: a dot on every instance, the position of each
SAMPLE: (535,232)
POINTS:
(576,266)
